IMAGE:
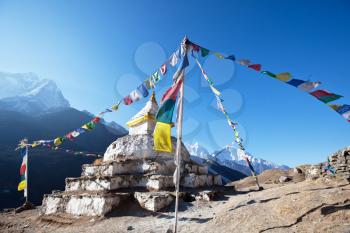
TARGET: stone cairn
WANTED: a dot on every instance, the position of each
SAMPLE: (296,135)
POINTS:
(130,167)
(340,161)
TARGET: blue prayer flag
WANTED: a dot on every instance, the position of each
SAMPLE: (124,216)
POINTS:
(295,82)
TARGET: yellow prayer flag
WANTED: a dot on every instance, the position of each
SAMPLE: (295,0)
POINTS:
(57,141)
(22,185)
(284,76)
(218,55)
(162,137)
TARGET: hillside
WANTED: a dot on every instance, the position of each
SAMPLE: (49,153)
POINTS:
(321,205)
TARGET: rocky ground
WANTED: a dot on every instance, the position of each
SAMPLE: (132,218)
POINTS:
(287,204)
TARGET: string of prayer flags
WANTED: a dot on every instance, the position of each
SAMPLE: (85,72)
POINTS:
(162,131)
(325,96)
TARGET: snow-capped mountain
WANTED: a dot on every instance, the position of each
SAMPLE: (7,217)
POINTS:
(199,151)
(229,153)
(26,93)
(229,157)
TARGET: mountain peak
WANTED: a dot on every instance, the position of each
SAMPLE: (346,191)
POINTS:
(233,158)
(28,93)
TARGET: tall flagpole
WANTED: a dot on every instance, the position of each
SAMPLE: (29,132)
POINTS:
(26,176)
(178,151)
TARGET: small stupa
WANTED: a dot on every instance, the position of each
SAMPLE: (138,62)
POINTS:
(130,168)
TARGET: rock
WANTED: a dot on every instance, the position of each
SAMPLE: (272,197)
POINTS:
(284,179)
(207,195)
(313,172)
(297,170)
(154,201)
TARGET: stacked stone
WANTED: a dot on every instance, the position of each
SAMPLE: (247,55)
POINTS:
(340,161)
(130,167)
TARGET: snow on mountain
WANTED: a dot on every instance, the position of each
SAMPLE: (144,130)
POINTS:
(198,151)
(229,157)
(230,153)
(27,93)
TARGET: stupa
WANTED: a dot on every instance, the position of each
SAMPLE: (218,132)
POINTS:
(130,169)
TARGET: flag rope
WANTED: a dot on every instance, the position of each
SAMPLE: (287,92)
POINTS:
(238,139)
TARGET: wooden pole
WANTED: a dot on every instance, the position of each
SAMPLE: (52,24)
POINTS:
(178,151)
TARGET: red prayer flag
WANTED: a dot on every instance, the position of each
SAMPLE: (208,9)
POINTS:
(127,100)
(96,120)
(22,169)
(69,136)
(171,93)
(256,67)
(320,93)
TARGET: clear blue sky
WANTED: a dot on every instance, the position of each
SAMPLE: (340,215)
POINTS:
(98,51)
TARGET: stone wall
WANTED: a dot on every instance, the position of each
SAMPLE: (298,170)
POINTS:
(340,161)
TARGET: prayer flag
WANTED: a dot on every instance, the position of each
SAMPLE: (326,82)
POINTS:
(115,107)
(216,92)
(142,90)
(75,133)
(308,86)
(148,83)
(231,57)
(135,95)
(163,69)
(182,66)
(22,185)
(166,110)
(295,82)
(96,119)
(58,141)
(346,115)
(256,67)
(204,52)
(268,73)
(173,59)
(155,77)
(244,62)
(195,47)
(218,55)
(69,136)
(325,96)
(284,76)
(80,130)
(127,100)
(343,108)
(162,137)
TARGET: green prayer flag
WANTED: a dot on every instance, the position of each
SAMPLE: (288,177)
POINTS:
(329,98)
(268,73)
(204,52)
